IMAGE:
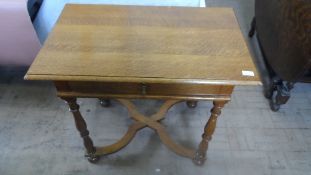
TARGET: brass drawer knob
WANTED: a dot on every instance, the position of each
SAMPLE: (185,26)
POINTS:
(143,88)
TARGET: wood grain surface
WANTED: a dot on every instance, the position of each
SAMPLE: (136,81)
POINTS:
(145,44)
(285,38)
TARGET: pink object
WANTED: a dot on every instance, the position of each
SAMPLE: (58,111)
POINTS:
(19,43)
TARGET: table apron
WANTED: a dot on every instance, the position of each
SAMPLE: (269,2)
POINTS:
(143,91)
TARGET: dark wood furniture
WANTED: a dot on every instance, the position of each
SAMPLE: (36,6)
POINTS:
(130,52)
(284,34)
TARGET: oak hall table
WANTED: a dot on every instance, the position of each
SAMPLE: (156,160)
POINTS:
(136,52)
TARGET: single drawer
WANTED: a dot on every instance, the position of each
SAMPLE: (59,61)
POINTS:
(142,89)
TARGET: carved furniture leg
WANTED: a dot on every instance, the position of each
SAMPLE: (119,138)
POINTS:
(82,128)
(280,95)
(104,102)
(253,28)
(209,129)
(192,104)
(141,121)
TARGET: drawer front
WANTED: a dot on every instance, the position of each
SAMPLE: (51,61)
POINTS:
(142,89)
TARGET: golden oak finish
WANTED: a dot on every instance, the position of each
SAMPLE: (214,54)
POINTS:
(82,128)
(151,89)
(124,52)
(145,44)
(133,128)
(152,123)
(208,132)
(136,90)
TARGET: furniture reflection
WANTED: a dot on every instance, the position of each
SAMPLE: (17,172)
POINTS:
(284,34)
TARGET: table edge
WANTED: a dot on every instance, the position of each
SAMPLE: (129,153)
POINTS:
(140,80)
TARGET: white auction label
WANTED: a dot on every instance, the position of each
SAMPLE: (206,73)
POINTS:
(248,73)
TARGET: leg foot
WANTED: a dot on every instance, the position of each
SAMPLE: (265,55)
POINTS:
(253,28)
(192,104)
(199,159)
(105,102)
(92,158)
(280,95)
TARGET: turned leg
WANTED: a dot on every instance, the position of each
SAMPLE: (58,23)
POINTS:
(192,104)
(253,28)
(209,129)
(82,128)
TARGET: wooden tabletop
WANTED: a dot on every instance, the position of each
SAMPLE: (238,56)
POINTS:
(145,44)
